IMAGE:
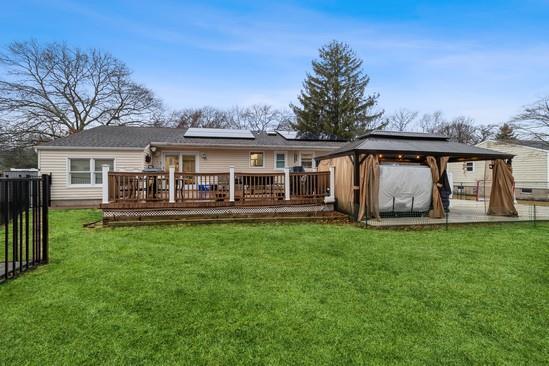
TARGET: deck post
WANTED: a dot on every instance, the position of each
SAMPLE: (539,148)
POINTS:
(171,181)
(105,177)
(231,183)
(287,184)
(331,197)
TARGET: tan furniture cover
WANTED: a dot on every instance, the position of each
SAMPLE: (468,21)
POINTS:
(501,197)
(369,188)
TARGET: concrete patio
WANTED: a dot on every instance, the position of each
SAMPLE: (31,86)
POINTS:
(466,212)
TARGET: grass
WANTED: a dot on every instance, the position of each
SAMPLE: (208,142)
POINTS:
(280,294)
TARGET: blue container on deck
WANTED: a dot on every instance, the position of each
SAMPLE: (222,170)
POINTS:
(202,189)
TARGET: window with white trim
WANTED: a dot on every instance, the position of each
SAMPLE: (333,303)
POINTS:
(80,172)
(88,171)
(256,159)
(98,171)
(307,160)
(470,166)
(280,160)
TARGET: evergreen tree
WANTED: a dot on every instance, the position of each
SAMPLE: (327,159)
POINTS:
(333,101)
(505,133)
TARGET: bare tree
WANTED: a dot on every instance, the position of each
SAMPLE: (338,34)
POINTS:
(429,121)
(259,117)
(205,117)
(286,120)
(401,120)
(460,129)
(534,120)
(486,132)
(51,91)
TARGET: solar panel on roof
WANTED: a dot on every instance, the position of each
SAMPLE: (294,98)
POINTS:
(219,133)
(288,135)
(308,136)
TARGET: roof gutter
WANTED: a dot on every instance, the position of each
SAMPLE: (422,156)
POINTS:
(50,147)
(237,146)
(471,156)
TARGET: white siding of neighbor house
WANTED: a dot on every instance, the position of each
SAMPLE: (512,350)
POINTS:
(56,163)
(219,160)
(530,166)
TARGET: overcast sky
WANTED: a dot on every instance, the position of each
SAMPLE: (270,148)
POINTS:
(484,59)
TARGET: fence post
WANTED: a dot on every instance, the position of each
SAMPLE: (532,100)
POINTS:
(231,183)
(45,200)
(49,188)
(287,184)
(171,182)
(5,220)
(105,173)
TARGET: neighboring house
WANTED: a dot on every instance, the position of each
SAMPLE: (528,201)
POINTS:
(75,161)
(530,167)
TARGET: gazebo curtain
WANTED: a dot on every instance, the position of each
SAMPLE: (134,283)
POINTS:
(437,172)
(343,181)
(501,196)
(369,188)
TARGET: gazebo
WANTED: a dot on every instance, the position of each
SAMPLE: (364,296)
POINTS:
(357,169)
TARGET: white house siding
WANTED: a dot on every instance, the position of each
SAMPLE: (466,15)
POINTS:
(56,163)
(530,166)
(219,160)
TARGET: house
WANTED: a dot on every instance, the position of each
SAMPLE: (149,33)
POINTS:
(76,161)
(530,169)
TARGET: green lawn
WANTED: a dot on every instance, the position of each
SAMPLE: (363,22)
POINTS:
(280,294)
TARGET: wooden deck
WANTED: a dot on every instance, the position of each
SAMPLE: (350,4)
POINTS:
(209,190)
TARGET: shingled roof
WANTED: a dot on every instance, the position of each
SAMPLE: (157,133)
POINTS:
(411,143)
(140,137)
(543,145)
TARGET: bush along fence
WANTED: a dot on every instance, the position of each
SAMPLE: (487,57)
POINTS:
(23,224)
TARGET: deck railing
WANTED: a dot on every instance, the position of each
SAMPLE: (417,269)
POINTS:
(259,187)
(201,187)
(166,189)
(127,187)
(310,185)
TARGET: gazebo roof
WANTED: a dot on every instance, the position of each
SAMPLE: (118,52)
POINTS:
(412,144)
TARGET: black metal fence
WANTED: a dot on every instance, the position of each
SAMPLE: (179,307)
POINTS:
(524,190)
(470,204)
(23,224)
